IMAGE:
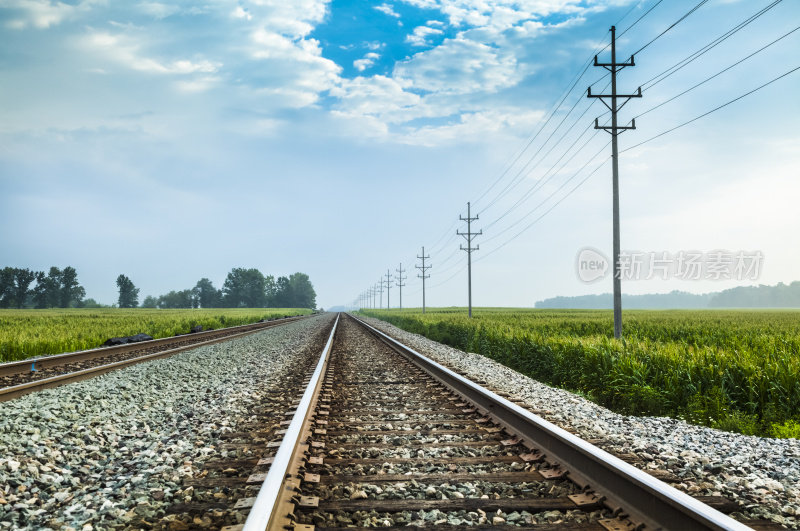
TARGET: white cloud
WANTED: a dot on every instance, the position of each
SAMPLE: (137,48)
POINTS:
(387,10)
(200,84)
(420,35)
(40,14)
(378,97)
(472,127)
(299,73)
(366,62)
(294,19)
(460,66)
(241,12)
(124,50)
(158,10)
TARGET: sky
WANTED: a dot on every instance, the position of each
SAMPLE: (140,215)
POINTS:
(171,141)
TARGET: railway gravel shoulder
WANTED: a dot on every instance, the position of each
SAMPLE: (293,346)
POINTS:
(762,474)
(116,451)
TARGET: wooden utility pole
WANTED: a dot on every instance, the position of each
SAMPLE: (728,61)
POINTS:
(423,276)
(399,282)
(469,235)
(388,287)
(614,129)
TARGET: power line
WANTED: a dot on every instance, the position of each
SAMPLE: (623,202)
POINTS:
(520,220)
(712,110)
(684,17)
(544,179)
(532,223)
(521,174)
(637,20)
(706,80)
(658,78)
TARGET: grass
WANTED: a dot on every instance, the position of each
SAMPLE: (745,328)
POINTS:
(28,333)
(737,370)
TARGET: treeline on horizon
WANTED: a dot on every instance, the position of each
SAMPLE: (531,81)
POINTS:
(762,296)
(243,288)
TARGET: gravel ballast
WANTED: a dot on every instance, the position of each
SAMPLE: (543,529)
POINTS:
(762,474)
(113,450)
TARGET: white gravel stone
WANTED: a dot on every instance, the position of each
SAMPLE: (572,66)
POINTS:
(93,454)
(762,473)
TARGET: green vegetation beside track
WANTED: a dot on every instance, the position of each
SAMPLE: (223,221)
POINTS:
(28,333)
(734,370)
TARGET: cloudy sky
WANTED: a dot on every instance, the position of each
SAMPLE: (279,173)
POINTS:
(174,141)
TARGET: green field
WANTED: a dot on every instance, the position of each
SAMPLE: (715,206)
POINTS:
(28,333)
(729,369)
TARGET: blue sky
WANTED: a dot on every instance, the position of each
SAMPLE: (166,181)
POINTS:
(175,140)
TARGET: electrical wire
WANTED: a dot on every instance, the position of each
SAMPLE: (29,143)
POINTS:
(638,19)
(520,220)
(712,110)
(658,78)
(684,17)
(706,80)
(532,223)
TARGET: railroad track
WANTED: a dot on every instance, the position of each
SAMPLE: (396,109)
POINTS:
(18,378)
(380,436)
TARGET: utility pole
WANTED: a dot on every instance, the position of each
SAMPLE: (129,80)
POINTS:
(388,287)
(469,235)
(423,276)
(399,282)
(380,288)
(613,67)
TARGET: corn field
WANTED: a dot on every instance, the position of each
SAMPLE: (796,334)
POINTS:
(29,333)
(733,370)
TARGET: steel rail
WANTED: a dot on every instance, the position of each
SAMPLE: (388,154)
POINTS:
(11,368)
(626,489)
(16,391)
(273,502)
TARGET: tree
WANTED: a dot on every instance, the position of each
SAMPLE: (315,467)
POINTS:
(206,294)
(178,299)
(295,291)
(45,294)
(150,302)
(70,293)
(302,291)
(23,279)
(91,303)
(271,289)
(283,293)
(6,287)
(245,288)
(128,293)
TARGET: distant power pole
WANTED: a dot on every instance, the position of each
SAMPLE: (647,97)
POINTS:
(469,235)
(423,276)
(614,129)
(380,289)
(399,282)
(388,287)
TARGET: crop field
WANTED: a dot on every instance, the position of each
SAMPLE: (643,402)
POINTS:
(728,369)
(28,333)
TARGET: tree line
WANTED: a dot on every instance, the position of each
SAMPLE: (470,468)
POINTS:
(58,288)
(243,288)
(762,296)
